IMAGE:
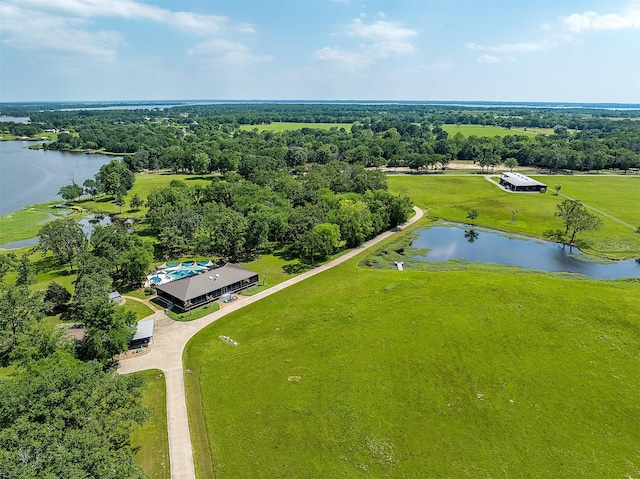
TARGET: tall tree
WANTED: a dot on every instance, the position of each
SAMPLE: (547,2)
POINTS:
(25,270)
(136,202)
(354,219)
(71,192)
(64,238)
(61,417)
(320,242)
(577,218)
(20,309)
(115,177)
(472,214)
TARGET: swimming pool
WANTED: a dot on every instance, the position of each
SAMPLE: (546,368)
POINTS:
(182,272)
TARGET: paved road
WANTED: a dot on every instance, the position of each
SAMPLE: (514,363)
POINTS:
(170,338)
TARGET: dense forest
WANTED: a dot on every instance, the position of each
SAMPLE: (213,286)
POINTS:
(391,135)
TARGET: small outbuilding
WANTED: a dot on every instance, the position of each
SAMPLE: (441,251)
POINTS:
(143,334)
(115,297)
(518,182)
(194,291)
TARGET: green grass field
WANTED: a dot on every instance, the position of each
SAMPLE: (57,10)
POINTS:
(24,224)
(143,186)
(450,198)
(151,439)
(479,130)
(139,309)
(288,126)
(379,373)
(617,195)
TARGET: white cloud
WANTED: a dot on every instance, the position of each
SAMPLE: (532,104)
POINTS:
(129,9)
(30,30)
(578,22)
(382,40)
(68,26)
(515,47)
(349,59)
(379,31)
(488,59)
(227,51)
(573,24)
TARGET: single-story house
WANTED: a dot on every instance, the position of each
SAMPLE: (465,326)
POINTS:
(143,334)
(518,182)
(194,291)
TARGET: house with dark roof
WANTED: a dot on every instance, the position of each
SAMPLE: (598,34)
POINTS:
(518,182)
(194,291)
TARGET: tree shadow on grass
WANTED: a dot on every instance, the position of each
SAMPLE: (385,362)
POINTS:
(296,268)
(286,254)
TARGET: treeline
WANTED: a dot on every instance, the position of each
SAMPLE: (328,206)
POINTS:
(200,140)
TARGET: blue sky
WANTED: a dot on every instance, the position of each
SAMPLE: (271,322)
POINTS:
(500,50)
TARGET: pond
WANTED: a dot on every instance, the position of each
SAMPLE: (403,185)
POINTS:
(87,224)
(480,245)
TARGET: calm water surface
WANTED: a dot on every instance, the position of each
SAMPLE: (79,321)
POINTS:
(484,246)
(28,176)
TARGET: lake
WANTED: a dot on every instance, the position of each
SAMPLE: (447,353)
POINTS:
(29,177)
(485,246)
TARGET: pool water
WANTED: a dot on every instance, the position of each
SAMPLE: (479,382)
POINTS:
(184,272)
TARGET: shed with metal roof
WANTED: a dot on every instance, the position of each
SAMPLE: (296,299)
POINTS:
(519,182)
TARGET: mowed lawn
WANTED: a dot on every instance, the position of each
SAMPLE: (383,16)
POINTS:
(288,126)
(143,186)
(617,195)
(479,130)
(151,440)
(451,198)
(377,373)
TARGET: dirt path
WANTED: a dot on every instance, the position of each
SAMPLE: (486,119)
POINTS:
(170,338)
(600,212)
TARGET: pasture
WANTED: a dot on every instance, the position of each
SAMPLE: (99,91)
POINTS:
(450,198)
(145,184)
(617,195)
(288,126)
(480,130)
(421,374)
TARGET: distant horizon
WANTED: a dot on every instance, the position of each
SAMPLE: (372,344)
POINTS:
(179,101)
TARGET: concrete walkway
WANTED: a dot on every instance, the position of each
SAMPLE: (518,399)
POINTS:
(170,338)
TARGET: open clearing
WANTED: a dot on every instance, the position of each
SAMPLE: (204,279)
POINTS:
(418,374)
(479,130)
(481,372)
(450,198)
(617,195)
(288,126)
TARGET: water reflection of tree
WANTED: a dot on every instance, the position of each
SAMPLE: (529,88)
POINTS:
(471,235)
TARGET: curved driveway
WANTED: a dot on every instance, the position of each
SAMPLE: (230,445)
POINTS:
(170,338)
